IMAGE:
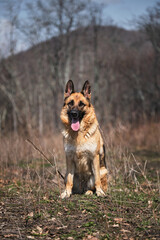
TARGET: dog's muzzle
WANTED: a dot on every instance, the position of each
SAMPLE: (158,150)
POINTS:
(74,114)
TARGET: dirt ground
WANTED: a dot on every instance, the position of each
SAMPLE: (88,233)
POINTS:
(30,208)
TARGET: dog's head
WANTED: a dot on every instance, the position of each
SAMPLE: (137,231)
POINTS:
(76,105)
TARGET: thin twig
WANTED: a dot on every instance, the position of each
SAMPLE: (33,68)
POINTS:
(36,148)
(55,162)
(142,172)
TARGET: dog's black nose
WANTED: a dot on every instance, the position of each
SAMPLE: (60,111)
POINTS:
(74,114)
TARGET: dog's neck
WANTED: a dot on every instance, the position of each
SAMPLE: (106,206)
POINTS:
(91,130)
(87,133)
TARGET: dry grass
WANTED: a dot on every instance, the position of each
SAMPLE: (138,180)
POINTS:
(21,160)
(146,136)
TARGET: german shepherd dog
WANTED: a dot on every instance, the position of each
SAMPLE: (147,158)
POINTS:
(85,152)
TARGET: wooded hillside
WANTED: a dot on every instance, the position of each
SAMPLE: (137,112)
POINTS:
(122,66)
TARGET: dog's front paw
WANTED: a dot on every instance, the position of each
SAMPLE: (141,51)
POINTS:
(100,192)
(65,194)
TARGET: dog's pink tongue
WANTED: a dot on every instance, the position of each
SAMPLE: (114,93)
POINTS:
(75,125)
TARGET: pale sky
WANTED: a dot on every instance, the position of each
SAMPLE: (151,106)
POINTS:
(123,12)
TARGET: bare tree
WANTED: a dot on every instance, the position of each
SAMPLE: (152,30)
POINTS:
(8,79)
(54,18)
(150,25)
(95,13)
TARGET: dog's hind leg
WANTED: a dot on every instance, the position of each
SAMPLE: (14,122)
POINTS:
(103,176)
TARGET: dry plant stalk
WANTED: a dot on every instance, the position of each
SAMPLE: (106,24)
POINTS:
(57,171)
(142,171)
(45,157)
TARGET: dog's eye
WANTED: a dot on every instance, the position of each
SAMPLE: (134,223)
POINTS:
(81,104)
(71,103)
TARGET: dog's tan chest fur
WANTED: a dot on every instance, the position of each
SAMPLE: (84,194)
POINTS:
(83,154)
(86,148)
(83,165)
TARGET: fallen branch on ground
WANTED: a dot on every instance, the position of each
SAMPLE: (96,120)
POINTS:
(45,157)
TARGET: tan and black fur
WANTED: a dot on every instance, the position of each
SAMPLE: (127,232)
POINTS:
(84,147)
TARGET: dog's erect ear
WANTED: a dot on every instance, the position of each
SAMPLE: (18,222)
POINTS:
(86,90)
(69,89)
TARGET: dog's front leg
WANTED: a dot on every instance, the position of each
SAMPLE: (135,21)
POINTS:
(96,169)
(69,178)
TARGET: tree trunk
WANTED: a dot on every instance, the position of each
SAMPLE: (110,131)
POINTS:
(55,110)
(40,120)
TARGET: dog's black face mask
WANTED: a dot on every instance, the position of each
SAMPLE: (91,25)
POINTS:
(76,114)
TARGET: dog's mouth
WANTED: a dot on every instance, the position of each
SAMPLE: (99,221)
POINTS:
(75,117)
(75,124)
